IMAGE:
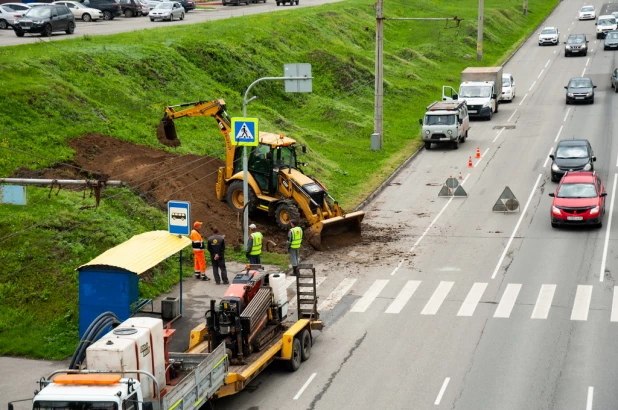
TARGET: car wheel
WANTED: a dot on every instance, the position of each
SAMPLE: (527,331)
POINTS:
(107,15)
(3,24)
(567,102)
(553,225)
(171,16)
(490,114)
(297,2)
(456,144)
(47,30)
(151,19)
(585,54)
(19,33)
(600,225)
(182,16)
(616,89)
(566,54)
(465,137)
(278,3)
(592,101)
(71,28)
(86,17)
(128,13)
(427,145)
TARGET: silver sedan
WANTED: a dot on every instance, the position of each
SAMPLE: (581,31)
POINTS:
(167,10)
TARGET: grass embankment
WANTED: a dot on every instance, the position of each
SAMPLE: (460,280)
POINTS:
(118,85)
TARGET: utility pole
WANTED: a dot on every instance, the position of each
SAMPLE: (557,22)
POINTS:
(525,7)
(378,124)
(479,35)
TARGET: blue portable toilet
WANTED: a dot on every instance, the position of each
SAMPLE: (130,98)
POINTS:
(110,281)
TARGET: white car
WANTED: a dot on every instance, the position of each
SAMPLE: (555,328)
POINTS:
(508,87)
(604,24)
(549,35)
(587,13)
(167,10)
(82,12)
(8,14)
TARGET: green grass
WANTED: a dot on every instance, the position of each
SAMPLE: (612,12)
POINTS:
(118,85)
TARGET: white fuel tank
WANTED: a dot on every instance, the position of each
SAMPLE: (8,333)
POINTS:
(155,326)
(277,283)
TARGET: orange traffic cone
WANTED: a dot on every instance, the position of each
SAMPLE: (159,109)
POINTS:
(470,165)
(478,152)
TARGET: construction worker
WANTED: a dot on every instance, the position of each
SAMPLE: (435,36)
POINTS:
(216,248)
(197,243)
(254,245)
(295,239)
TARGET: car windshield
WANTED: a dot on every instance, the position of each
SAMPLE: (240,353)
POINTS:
(571,151)
(613,35)
(577,191)
(548,31)
(506,82)
(587,8)
(475,91)
(164,6)
(39,12)
(575,40)
(607,22)
(440,119)
(580,83)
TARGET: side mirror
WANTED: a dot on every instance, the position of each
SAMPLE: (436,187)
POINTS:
(304,149)
(603,193)
(595,24)
(594,86)
(494,96)
(455,97)
(460,121)
(552,156)
(420,121)
(594,159)
(552,195)
(587,41)
(564,42)
(566,88)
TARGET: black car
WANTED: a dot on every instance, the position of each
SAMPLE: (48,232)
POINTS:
(187,4)
(576,44)
(45,20)
(110,8)
(580,89)
(611,40)
(571,155)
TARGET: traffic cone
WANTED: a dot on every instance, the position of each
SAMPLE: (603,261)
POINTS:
(470,165)
(478,152)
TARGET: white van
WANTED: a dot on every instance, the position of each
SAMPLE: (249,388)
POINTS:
(604,24)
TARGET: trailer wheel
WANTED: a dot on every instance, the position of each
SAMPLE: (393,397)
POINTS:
(294,363)
(305,338)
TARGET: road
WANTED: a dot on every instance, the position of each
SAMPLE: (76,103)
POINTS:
(123,24)
(468,309)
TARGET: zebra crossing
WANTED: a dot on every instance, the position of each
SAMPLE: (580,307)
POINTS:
(468,306)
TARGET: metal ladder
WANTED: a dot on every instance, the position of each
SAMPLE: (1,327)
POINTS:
(306,294)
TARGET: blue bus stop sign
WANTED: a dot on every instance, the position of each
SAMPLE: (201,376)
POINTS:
(179,217)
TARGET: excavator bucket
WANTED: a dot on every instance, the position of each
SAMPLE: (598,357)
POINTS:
(331,233)
(166,133)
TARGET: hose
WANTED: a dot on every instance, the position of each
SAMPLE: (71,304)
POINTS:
(92,333)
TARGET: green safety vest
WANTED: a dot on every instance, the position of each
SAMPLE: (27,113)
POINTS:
(297,237)
(256,249)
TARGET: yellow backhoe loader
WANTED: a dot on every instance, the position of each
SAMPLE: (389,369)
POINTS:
(276,184)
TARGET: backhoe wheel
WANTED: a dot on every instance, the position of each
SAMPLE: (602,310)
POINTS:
(235,198)
(294,363)
(285,213)
(305,339)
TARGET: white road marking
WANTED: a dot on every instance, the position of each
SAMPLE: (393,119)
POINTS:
(547,159)
(543,302)
(437,298)
(554,51)
(567,114)
(607,230)
(472,300)
(583,72)
(522,100)
(589,399)
(499,132)
(404,296)
(434,221)
(614,317)
(397,268)
(591,50)
(369,296)
(530,89)
(508,300)
(442,390)
(302,389)
(540,74)
(558,135)
(587,61)
(582,302)
(547,63)
(509,120)
(293,301)
(617,162)
(336,295)
(506,249)
(482,156)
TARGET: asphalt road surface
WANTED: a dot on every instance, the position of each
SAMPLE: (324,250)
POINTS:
(468,309)
(123,24)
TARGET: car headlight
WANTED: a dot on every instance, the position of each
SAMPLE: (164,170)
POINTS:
(427,132)
(587,167)
(568,47)
(38,22)
(594,210)
(487,104)
(555,211)
(555,167)
(449,132)
(589,94)
(570,94)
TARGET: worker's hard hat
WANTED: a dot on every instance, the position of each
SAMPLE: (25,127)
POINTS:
(197,224)
(252,226)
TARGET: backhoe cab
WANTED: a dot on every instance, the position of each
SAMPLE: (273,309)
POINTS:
(276,184)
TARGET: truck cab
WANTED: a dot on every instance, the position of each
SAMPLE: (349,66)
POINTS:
(445,122)
(480,88)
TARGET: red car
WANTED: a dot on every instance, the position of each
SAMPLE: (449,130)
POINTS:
(579,200)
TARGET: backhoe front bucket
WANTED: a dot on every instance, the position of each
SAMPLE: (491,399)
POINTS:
(334,232)
(166,133)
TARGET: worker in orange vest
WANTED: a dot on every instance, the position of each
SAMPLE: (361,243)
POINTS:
(197,243)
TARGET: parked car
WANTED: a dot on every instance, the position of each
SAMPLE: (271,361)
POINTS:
(549,35)
(145,7)
(576,44)
(578,200)
(21,7)
(153,3)
(587,13)
(110,8)
(614,80)
(131,8)
(571,155)
(508,87)
(8,16)
(82,12)
(580,89)
(188,5)
(45,20)
(604,24)
(167,10)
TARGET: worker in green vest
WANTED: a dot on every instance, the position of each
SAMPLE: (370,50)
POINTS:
(295,239)
(254,245)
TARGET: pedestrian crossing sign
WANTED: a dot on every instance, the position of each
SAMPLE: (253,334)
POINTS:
(245,131)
